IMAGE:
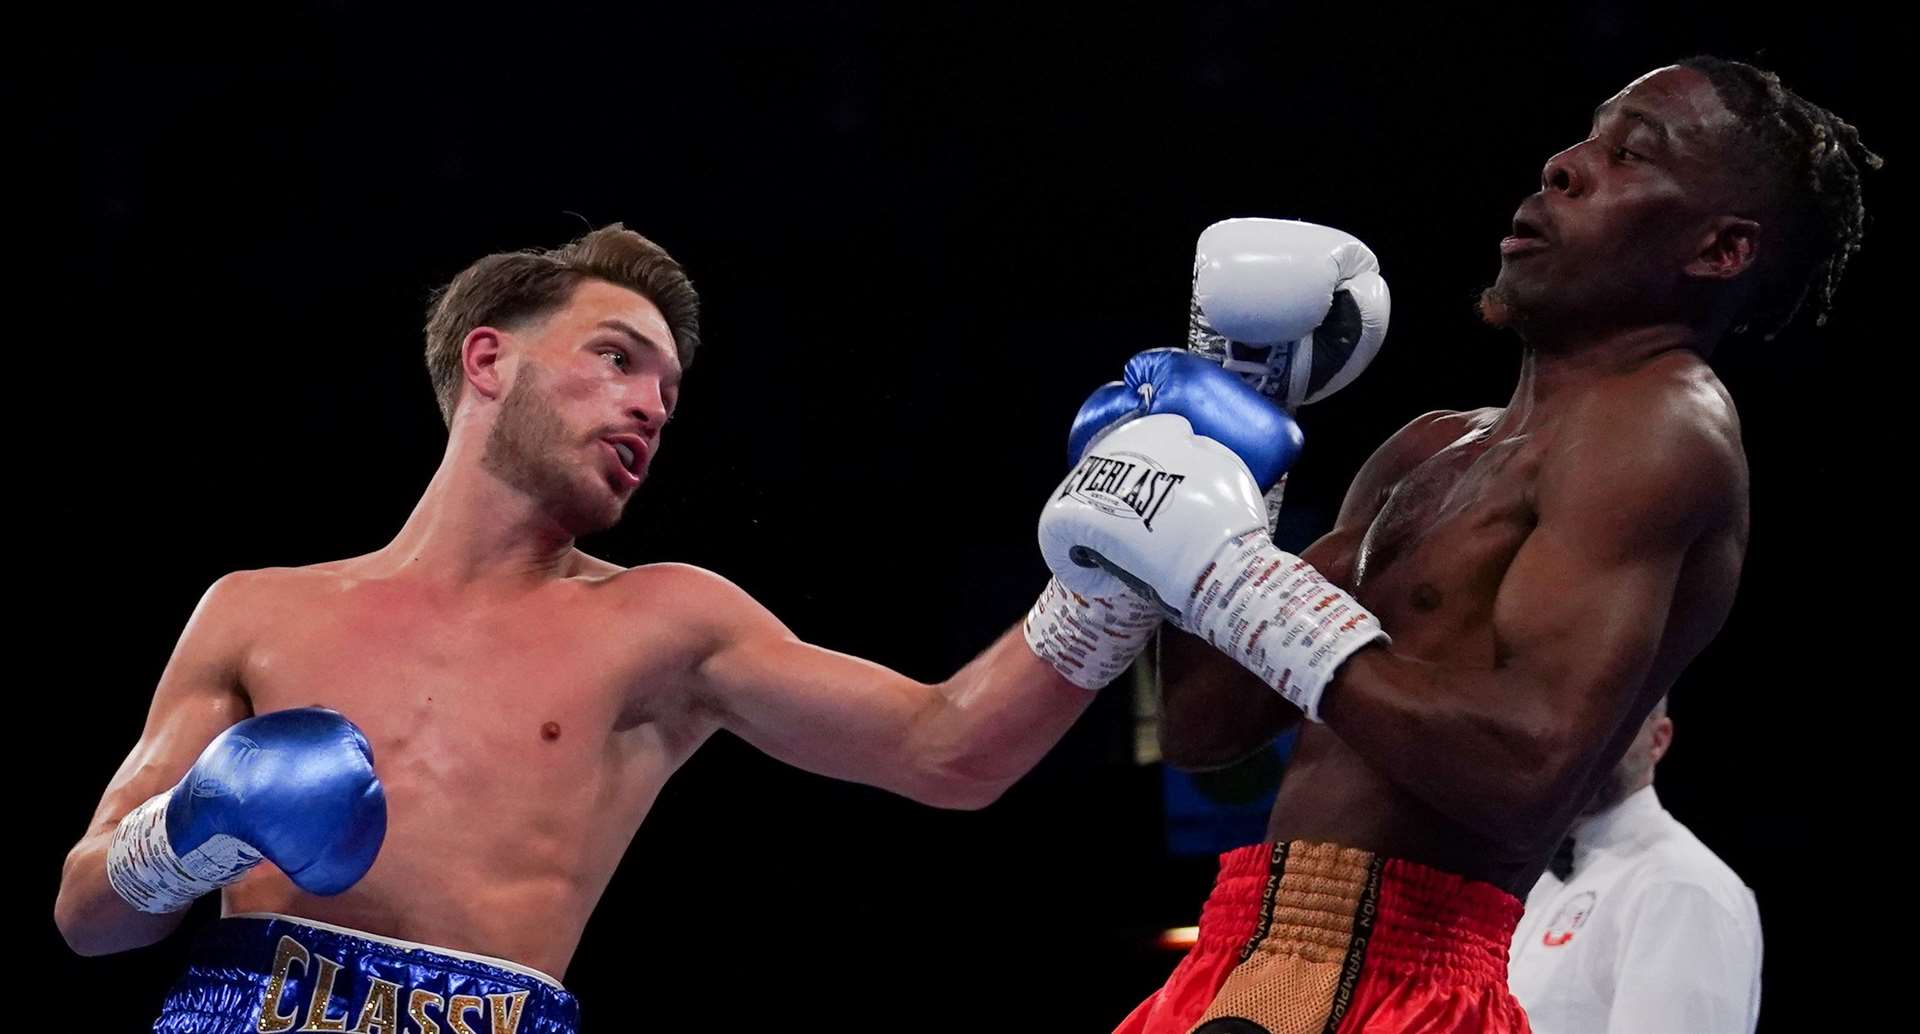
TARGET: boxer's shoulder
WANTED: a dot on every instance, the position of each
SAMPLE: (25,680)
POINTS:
(692,597)
(1422,438)
(249,594)
(1662,441)
(275,581)
(1428,433)
(691,615)
(1675,391)
(259,594)
(1670,415)
(236,615)
(648,580)
(273,603)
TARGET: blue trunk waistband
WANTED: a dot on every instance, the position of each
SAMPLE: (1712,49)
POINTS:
(265,974)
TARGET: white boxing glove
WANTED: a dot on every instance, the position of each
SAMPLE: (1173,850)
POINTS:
(1299,310)
(1179,519)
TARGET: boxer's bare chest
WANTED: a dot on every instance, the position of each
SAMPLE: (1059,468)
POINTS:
(495,674)
(1429,566)
(1431,562)
(475,702)
(521,740)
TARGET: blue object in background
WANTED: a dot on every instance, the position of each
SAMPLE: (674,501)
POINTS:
(1211,812)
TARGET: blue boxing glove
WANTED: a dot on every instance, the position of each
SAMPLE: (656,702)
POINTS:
(1216,402)
(1091,628)
(294,787)
(1176,519)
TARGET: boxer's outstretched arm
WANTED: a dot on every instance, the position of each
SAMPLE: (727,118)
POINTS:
(1580,624)
(199,695)
(1215,712)
(957,744)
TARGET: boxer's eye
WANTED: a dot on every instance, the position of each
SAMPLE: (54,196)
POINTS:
(1621,154)
(617,358)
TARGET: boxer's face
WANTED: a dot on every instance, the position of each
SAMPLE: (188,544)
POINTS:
(1618,227)
(589,389)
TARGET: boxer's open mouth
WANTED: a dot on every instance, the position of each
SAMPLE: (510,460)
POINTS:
(633,450)
(1526,237)
(630,450)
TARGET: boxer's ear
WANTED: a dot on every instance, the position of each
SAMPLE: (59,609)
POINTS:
(480,354)
(1728,247)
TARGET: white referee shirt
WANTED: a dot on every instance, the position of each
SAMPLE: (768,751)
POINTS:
(1651,934)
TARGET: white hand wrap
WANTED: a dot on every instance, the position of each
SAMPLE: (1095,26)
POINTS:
(1279,618)
(1090,640)
(143,868)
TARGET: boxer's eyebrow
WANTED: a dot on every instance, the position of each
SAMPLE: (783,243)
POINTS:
(626,328)
(1637,115)
(640,339)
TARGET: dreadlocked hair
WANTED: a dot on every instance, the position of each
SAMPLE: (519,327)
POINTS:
(1813,161)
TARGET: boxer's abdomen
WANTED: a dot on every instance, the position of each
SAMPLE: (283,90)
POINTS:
(1430,568)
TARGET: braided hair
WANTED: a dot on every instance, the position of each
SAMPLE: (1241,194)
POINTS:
(1812,161)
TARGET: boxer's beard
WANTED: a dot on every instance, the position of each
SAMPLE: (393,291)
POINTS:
(1498,308)
(525,450)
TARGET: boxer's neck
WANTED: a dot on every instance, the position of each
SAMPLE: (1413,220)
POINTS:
(470,528)
(1551,369)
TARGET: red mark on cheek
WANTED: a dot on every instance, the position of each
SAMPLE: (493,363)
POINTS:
(550,731)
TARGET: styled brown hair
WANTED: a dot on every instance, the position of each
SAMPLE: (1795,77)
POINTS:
(518,287)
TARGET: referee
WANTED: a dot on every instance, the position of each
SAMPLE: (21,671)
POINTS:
(1638,928)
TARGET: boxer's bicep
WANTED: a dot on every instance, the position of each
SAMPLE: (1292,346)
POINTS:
(1582,612)
(198,696)
(1581,631)
(827,712)
(955,744)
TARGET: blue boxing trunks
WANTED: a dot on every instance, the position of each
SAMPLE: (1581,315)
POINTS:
(261,973)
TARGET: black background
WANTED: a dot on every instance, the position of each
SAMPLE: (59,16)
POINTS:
(922,233)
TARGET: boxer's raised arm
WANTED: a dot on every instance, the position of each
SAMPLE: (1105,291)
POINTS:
(1215,712)
(1580,625)
(955,744)
(198,696)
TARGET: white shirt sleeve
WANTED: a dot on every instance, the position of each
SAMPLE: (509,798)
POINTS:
(1687,964)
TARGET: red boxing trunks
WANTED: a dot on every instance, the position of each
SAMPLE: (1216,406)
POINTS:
(1304,938)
